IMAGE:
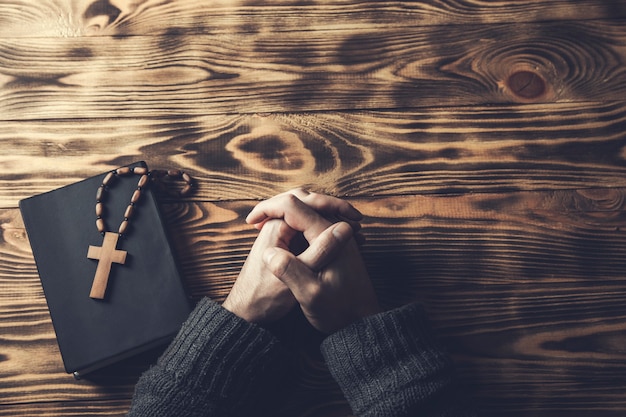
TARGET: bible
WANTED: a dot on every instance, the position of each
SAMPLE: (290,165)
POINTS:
(110,296)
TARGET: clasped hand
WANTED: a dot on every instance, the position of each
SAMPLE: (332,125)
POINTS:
(328,279)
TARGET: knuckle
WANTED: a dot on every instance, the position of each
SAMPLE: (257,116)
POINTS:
(298,190)
(315,200)
(280,265)
(292,200)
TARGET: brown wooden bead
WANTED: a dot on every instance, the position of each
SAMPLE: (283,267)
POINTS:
(129,211)
(99,209)
(123,171)
(185,190)
(173,173)
(123,227)
(140,170)
(107,179)
(143,181)
(100,193)
(136,196)
(186,178)
(100,225)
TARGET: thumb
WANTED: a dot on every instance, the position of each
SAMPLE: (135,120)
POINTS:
(290,270)
(327,246)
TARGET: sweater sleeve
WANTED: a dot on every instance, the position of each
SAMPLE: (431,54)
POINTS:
(217,365)
(390,365)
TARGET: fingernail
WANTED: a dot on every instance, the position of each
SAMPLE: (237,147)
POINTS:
(342,231)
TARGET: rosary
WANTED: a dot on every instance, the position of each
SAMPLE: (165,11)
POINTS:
(107,254)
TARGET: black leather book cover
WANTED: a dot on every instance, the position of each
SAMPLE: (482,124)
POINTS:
(145,302)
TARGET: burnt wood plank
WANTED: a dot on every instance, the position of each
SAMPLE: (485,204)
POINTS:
(389,68)
(87,408)
(525,288)
(484,141)
(361,154)
(44,18)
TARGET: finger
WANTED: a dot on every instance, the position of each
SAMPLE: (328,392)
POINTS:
(324,204)
(329,205)
(290,270)
(276,233)
(325,248)
(356,226)
(293,211)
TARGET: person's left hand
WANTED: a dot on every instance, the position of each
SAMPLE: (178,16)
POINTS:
(257,295)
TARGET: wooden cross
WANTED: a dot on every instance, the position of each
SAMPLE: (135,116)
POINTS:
(106,255)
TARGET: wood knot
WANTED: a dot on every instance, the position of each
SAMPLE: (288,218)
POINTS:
(526,84)
(268,148)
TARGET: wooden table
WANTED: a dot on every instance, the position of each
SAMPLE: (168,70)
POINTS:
(484,141)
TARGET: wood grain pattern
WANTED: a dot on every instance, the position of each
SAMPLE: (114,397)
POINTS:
(158,76)
(242,157)
(523,287)
(21,18)
(485,141)
(110,408)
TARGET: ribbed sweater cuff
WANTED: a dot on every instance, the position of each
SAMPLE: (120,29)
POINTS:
(389,361)
(217,360)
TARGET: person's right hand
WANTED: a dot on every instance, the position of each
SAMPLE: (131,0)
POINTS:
(329,279)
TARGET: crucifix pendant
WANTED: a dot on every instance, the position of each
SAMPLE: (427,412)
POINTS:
(106,255)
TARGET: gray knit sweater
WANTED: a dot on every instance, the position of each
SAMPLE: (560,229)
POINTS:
(387,365)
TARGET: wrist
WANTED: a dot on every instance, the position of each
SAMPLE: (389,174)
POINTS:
(238,309)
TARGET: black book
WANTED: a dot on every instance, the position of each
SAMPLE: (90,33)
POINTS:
(144,303)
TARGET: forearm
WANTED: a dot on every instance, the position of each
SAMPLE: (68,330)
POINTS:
(218,364)
(389,365)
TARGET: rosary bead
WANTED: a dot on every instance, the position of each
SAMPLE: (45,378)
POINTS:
(123,227)
(123,171)
(136,196)
(99,209)
(129,211)
(100,225)
(100,193)
(186,178)
(140,170)
(142,181)
(185,190)
(107,179)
